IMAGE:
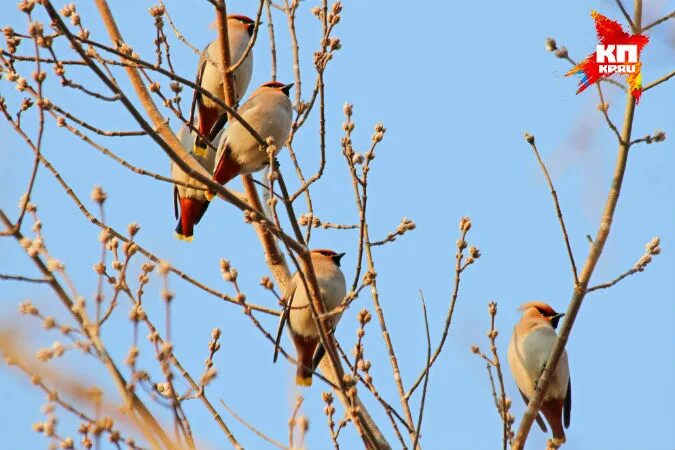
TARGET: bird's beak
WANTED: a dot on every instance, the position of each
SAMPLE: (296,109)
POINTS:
(337,258)
(555,319)
(286,89)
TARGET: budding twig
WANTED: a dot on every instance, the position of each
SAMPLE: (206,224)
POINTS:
(530,140)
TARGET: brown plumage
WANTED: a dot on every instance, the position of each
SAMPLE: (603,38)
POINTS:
(270,113)
(305,348)
(209,75)
(298,314)
(529,349)
(190,204)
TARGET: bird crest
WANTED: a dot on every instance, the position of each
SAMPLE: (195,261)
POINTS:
(542,307)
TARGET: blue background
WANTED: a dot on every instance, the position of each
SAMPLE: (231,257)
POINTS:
(456,84)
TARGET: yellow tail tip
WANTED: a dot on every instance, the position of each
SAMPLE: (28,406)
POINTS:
(199,151)
(209,195)
(183,238)
(303,381)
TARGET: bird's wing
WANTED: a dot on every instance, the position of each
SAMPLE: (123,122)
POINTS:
(196,96)
(175,201)
(567,407)
(217,127)
(201,67)
(221,150)
(205,206)
(318,355)
(226,168)
(252,103)
(540,420)
(320,352)
(288,295)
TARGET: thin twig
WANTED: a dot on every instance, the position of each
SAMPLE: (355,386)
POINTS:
(591,261)
(651,250)
(626,15)
(398,380)
(146,417)
(659,21)
(426,376)
(530,140)
(604,107)
(273,48)
(659,81)
(255,431)
(459,256)
(69,191)
(4,276)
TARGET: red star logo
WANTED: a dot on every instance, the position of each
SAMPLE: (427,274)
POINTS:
(617,53)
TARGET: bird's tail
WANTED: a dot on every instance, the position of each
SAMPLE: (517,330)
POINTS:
(303,376)
(191,210)
(553,411)
(305,347)
(207,118)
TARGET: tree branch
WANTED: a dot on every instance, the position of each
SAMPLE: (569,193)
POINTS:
(591,261)
(530,140)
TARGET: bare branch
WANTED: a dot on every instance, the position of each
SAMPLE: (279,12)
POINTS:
(146,417)
(464,227)
(591,261)
(4,276)
(659,21)
(255,431)
(426,376)
(626,15)
(659,81)
(530,140)
(651,249)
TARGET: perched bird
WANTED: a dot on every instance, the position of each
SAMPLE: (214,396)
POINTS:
(189,204)
(270,113)
(530,346)
(301,325)
(239,31)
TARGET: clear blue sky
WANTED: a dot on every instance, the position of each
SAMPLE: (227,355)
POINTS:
(456,84)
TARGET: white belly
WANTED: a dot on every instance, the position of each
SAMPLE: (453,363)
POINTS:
(528,354)
(332,291)
(212,79)
(187,140)
(271,119)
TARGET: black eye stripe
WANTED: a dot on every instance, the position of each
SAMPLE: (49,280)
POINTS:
(546,313)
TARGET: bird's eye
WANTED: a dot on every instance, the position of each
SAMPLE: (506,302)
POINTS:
(546,312)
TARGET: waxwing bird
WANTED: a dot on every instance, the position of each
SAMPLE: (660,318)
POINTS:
(531,344)
(190,204)
(301,325)
(270,113)
(209,77)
